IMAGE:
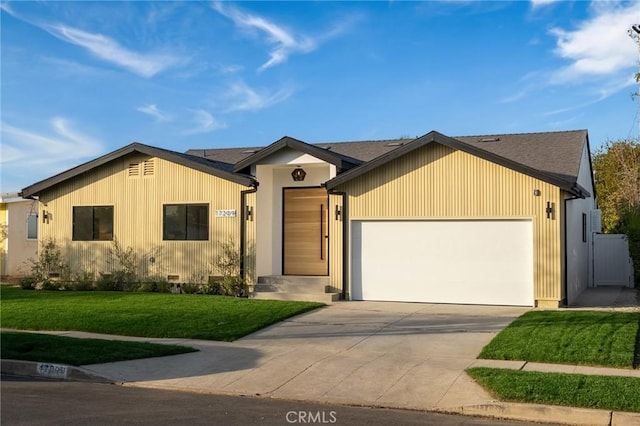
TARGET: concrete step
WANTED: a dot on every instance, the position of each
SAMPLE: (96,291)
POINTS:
(293,283)
(327,298)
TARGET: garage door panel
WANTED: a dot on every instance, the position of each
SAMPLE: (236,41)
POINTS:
(475,262)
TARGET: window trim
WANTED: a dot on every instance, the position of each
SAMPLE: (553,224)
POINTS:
(93,218)
(186,224)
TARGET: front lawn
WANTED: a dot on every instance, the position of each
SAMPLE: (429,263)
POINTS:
(143,314)
(575,390)
(71,351)
(570,337)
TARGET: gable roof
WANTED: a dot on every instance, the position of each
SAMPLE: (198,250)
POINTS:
(342,162)
(551,157)
(215,168)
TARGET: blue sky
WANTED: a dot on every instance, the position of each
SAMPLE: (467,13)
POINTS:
(81,79)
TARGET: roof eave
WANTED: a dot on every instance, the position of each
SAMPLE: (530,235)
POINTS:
(433,136)
(295,144)
(38,187)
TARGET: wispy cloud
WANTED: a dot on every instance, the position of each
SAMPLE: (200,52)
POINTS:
(241,97)
(109,50)
(46,153)
(204,122)
(600,45)
(283,42)
(153,111)
(104,47)
(541,3)
(63,142)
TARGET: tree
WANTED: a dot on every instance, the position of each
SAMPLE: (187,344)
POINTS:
(616,167)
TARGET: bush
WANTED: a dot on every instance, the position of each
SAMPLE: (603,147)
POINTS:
(630,226)
(50,263)
(82,281)
(214,287)
(234,286)
(106,283)
(28,283)
(155,285)
(191,288)
(51,285)
(124,263)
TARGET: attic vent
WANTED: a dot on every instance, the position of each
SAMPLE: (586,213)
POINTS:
(395,144)
(250,151)
(148,167)
(326,147)
(134,170)
(490,140)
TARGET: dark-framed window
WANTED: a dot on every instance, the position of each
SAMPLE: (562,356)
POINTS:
(185,222)
(584,227)
(93,223)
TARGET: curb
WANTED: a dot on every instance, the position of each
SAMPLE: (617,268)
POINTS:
(50,371)
(549,414)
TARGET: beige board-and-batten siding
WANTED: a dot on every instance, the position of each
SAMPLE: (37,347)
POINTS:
(336,218)
(137,200)
(438,182)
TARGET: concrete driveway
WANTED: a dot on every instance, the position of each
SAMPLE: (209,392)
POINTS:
(401,355)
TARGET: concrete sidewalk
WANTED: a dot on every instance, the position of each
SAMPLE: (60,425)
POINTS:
(395,355)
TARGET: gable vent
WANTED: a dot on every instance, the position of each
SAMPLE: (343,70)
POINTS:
(490,140)
(148,167)
(134,170)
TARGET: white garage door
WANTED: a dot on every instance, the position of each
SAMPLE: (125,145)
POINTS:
(443,261)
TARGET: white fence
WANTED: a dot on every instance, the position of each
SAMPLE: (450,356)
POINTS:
(612,263)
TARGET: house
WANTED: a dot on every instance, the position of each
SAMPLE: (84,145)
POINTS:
(18,234)
(499,219)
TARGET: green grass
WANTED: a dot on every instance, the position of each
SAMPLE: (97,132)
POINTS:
(569,337)
(575,390)
(67,350)
(143,314)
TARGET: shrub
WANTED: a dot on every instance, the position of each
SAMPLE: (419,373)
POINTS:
(124,264)
(228,263)
(155,285)
(51,285)
(82,281)
(28,283)
(214,287)
(106,283)
(191,288)
(50,263)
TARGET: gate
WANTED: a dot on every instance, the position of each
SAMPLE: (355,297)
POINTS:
(612,263)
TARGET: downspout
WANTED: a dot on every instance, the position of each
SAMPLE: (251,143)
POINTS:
(345,252)
(243,230)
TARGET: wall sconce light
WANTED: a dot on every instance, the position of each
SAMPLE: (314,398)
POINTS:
(549,209)
(298,174)
(152,260)
(338,212)
(248,213)
(536,192)
(45,216)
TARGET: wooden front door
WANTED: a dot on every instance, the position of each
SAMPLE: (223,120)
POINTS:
(305,239)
